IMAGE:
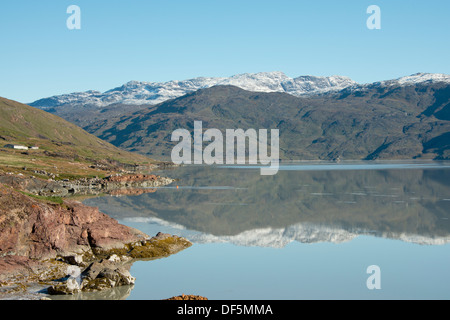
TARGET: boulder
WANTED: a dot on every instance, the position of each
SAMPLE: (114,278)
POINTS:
(38,230)
(84,249)
(98,276)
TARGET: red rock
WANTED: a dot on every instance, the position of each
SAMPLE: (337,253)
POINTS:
(187,297)
(35,230)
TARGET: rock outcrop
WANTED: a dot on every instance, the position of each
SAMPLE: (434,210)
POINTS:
(41,231)
(43,241)
(187,297)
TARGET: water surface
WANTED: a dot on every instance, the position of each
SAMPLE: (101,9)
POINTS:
(308,232)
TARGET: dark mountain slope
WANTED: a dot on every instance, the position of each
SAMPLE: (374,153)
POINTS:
(363,122)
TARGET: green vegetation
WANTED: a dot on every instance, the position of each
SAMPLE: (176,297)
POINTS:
(22,124)
(57,200)
(65,150)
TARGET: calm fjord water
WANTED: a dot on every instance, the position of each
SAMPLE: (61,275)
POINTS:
(308,232)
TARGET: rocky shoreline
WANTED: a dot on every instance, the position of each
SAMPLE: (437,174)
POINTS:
(113,184)
(70,248)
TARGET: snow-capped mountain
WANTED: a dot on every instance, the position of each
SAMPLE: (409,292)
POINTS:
(151,93)
(412,80)
(417,78)
(148,93)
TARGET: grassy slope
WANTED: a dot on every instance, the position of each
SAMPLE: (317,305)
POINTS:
(63,147)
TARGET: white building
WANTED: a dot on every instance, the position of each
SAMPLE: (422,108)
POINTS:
(16,146)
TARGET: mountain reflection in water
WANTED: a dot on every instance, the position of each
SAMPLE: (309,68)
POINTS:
(302,202)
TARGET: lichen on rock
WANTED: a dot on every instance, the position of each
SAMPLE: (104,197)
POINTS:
(100,275)
(43,242)
(114,271)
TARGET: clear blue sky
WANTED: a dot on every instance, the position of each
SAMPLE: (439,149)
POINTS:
(162,40)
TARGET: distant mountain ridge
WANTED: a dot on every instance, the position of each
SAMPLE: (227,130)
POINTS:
(383,121)
(151,93)
(145,93)
(327,118)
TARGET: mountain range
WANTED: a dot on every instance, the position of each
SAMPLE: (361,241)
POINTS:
(318,117)
(83,108)
(151,93)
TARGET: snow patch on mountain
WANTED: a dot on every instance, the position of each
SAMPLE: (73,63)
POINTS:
(151,93)
(147,93)
(417,78)
(424,77)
